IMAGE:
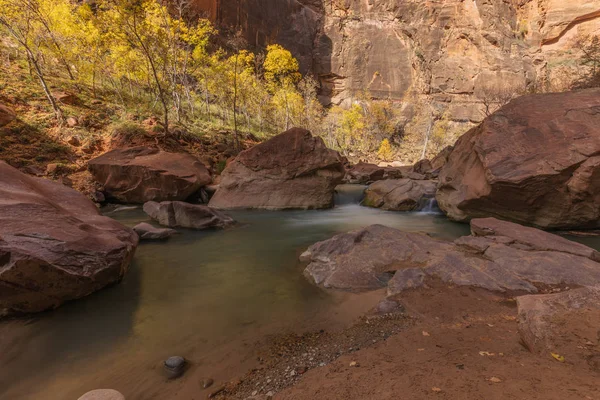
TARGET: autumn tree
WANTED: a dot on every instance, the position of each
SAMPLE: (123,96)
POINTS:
(23,22)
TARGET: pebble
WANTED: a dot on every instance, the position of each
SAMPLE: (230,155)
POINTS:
(206,383)
(174,366)
(102,394)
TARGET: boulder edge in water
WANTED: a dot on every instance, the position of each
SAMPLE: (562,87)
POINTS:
(54,244)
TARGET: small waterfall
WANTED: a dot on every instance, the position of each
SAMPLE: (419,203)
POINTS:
(430,206)
(349,194)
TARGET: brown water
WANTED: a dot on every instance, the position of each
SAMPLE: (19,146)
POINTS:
(208,296)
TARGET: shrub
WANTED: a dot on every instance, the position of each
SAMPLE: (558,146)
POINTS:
(385,150)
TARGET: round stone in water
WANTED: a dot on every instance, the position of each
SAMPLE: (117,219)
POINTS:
(175,363)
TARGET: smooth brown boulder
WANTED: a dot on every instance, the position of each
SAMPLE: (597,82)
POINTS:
(400,194)
(194,216)
(54,244)
(535,162)
(141,174)
(293,170)
(6,115)
(555,322)
(378,256)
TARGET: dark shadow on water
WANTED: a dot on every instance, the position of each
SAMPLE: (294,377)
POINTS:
(73,332)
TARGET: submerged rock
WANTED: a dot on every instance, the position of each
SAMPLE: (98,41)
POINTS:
(54,244)
(148,232)
(141,174)
(194,216)
(507,257)
(535,161)
(400,194)
(293,170)
(174,366)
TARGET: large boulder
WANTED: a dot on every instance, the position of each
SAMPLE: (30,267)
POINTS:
(513,259)
(6,115)
(194,216)
(563,323)
(141,174)
(293,170)
(400,194)
(54,244)
(536,161)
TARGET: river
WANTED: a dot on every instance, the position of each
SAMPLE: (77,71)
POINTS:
(208,296)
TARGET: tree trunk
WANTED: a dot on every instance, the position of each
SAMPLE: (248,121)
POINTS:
(235,128)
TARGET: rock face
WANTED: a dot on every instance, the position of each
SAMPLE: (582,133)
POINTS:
(294,170)
(141,174)
(508,257)
(6,115)
(545,321)
(400,194)
(179,214)
(535,161)
(440,53)
(148,232)
(54,244)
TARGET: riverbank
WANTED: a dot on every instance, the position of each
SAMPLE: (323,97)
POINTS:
(450,343)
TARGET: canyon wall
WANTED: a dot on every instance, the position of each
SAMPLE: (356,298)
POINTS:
(433,57)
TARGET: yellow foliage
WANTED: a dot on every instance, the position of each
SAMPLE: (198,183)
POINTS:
(281,68)
(385,150)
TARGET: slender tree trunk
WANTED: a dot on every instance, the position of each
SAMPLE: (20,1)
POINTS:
(235,127)
(161,93)
(40,75)
(287,112)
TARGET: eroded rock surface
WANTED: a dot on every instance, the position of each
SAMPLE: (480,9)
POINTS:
(536,161)
(293,170)
(552,322)
(194,216)
(54,244)
(508,257)
(439,53)
(400,194)
(141,174)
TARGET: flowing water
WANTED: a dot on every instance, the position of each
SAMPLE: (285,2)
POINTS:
(208,296)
